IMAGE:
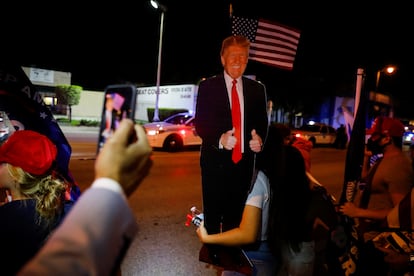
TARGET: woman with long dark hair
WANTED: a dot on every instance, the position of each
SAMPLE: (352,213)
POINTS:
(275,217)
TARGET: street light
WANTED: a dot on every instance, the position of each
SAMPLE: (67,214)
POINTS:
(163,9)
(387,70)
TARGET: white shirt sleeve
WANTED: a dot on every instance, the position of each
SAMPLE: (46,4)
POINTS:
(109,184)
(259,196)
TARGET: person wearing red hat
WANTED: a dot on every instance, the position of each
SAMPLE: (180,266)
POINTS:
(386,182)
(36,207)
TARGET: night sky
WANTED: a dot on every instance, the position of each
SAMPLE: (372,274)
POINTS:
(118,42)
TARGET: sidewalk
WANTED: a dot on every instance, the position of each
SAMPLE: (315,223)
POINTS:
(70,129)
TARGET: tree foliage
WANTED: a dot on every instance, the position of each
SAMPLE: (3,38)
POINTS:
(68,95)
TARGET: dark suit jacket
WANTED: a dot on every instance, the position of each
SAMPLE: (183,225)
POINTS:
(225,185)
(213,113)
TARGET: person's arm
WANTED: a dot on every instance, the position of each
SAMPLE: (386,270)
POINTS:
(97,232)
(351,210)
(246,233)
(251,221)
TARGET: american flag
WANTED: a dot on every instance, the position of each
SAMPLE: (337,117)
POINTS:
(271,43)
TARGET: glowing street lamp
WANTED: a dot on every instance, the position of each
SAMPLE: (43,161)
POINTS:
(389,70)
(163,9)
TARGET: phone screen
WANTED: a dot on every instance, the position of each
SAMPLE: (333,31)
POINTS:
(119,103)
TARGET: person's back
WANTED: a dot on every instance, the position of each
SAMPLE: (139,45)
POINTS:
(36,206)
(23,233)
(290,229)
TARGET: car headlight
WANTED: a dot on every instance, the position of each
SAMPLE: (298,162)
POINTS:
(152,132)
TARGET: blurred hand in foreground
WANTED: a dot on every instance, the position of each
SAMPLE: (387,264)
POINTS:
(125,157)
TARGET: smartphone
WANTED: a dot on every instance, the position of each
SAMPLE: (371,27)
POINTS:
(119,103)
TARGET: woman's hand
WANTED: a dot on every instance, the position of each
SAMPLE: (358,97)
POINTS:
(202,232)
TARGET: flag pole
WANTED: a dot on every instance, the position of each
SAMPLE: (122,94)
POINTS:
(360,73)
(352,175)
(356,146)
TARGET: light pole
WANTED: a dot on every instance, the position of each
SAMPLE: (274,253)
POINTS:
(163,9)
(388,70)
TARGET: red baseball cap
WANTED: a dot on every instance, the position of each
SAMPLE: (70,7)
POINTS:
(29,150)
(387,126)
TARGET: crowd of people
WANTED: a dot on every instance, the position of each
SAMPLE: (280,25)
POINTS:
(283,246)
(257,202)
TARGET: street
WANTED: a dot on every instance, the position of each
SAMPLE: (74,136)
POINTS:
(164,245)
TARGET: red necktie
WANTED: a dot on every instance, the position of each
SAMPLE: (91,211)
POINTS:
(236,117)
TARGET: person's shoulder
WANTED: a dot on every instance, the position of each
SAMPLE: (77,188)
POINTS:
(252,82)
(21,205)
(262,174)
(25,210)
(398,155)
(213,78)
(211,81)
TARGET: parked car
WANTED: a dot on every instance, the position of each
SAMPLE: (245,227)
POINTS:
(408,137)
(174,133)
(318,133)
